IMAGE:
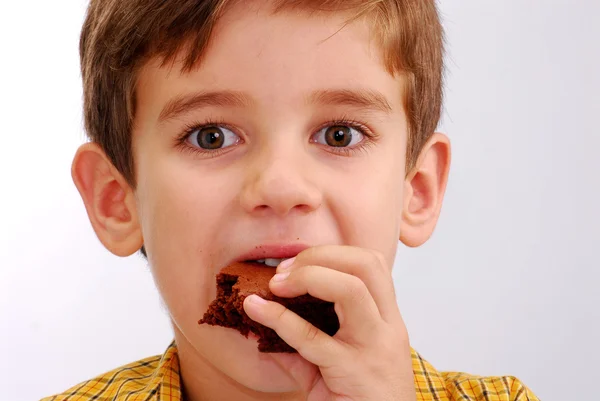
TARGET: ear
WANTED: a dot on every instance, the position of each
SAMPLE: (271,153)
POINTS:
(109,200)
(424,189)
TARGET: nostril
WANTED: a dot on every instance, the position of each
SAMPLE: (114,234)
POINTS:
(280,196)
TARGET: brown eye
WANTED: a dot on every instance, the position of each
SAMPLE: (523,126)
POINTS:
(338,136)
(212,138)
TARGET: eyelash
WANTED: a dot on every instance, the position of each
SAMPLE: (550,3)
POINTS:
(369,139)
(190,128)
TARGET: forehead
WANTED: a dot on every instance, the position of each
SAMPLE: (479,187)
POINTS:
(278,58)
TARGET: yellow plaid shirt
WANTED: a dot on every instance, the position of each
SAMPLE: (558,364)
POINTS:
(157,379)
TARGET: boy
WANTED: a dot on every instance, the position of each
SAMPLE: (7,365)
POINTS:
(297,131)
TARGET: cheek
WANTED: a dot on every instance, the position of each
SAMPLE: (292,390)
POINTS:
(182,212)
(369,211)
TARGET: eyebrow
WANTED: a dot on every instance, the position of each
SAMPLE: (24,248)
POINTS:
(186,103)
(361,98)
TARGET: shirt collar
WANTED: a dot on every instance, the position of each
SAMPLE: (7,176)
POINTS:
(166,382)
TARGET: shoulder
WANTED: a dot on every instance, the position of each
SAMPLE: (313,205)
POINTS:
(432,384)
(138,378)
(501,388)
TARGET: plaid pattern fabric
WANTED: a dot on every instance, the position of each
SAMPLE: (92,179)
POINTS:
(157,379)
(151,379)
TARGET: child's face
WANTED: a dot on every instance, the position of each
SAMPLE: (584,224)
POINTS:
(272,86)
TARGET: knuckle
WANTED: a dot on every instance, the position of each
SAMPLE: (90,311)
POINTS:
(282,313)
(356,289)
(379,259)
(311,332)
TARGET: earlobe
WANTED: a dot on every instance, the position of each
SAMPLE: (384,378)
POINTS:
(109,200)
(424,190)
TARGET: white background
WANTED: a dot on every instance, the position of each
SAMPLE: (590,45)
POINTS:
(507,285)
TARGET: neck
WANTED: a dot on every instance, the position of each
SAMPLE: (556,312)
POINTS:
(202,381)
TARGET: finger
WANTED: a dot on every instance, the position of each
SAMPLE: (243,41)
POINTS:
(370,266)
(311,343)
(355,307)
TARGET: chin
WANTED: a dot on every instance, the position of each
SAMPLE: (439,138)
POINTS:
(239,359)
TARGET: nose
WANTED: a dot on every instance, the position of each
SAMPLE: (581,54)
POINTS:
(280,185)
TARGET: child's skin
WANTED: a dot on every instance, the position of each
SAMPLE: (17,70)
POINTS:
(279,188)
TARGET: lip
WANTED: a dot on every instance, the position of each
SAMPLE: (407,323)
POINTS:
(275,251)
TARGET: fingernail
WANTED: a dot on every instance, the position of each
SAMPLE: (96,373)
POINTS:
(280,277)
(286,263)
(255,299)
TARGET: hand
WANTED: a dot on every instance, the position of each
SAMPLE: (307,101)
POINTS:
(369,358)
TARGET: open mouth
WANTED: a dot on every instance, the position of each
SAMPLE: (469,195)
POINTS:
(272,262)
(270,255)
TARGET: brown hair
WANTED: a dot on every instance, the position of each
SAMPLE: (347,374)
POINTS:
(120,36)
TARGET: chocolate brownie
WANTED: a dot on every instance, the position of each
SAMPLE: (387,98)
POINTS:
(236,282)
